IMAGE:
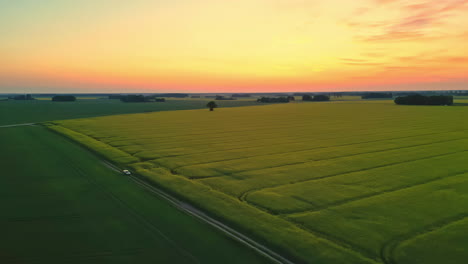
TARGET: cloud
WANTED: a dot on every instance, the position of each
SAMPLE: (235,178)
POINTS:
(352,60)
(363,63)
(431,59)
(373,54)
(395,36)
(359,62)
(458,59)
(384,2)
(417,21)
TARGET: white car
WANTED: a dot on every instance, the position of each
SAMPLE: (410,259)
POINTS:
(126,172)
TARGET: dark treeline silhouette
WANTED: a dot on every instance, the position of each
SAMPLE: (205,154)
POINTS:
(64,98)
(417,99)
(376,95)
(240,95)
(220,97)
(316,98)
(116,96)
(138,98)
(176,95)
(22,97)
(282,99)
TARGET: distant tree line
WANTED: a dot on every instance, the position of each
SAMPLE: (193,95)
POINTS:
(116,96)
(377,95)
(316,98)
(21,97)
(64,98)
(138,98)
(417,99)
(220,97)
(241,95)
(281,99)
(175,95)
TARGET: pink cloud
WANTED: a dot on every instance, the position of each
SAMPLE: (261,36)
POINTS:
(428,59)
(417,24)
(395,36)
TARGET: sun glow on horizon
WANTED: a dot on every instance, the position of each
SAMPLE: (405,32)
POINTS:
(224,46)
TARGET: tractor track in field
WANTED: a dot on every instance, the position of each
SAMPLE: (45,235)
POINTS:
(191,210)
(387,251)
(244,195)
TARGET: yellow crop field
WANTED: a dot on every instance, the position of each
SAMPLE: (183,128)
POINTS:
(332,182)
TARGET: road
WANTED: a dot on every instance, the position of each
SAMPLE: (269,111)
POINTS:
(189,209)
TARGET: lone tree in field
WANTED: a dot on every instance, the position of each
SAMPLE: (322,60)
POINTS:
(212,105)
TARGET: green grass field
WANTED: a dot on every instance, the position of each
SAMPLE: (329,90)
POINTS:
(15,112)
(60,204)
(336,182)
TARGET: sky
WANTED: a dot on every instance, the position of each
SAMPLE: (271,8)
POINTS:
(232,45)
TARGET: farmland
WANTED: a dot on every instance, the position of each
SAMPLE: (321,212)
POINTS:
(61,204)
(338,182)
(15,112)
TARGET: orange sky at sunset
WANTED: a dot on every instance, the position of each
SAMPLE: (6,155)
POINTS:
(232,46)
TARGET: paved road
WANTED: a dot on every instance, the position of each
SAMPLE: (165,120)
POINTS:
(185,207)
(16,125)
